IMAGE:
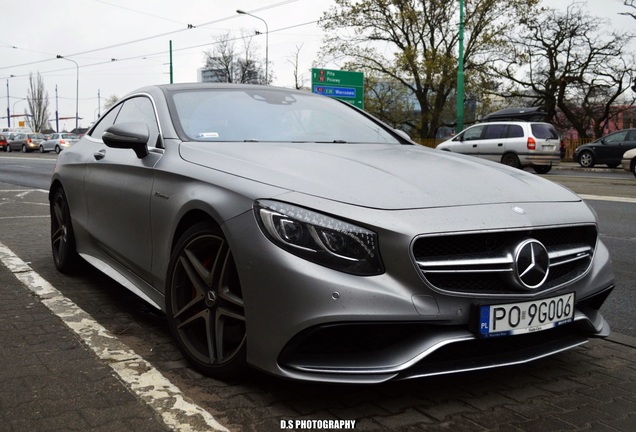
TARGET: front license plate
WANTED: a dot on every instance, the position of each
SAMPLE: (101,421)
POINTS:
(526,317)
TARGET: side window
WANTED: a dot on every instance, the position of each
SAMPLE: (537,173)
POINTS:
(105,122)
(474,133)
(495,131)
(515,131)
(616,137)
(140,110)
(544,131)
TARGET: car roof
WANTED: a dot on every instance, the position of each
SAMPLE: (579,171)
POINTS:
(517,114)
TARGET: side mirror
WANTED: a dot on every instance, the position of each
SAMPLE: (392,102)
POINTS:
(132,136)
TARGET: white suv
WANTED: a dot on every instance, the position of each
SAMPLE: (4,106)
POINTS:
(518,144)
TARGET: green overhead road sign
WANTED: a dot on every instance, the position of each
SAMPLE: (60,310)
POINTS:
(344,85)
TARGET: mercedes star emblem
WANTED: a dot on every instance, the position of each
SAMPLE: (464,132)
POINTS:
(532,264)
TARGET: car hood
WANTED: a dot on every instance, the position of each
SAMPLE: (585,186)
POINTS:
(377,176)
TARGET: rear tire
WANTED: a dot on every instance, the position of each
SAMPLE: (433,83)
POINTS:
(65,254)
(511,160)
(542,169)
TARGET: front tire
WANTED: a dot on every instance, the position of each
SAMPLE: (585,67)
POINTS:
(204,303)
(633,167)
(65,254)
(24,148)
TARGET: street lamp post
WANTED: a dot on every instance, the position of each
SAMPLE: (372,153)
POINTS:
(239,11)
(8,110)
(76,91)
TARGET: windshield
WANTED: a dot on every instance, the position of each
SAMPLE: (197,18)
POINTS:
(272,115)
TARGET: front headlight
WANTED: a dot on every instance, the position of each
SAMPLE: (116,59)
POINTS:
(320,238)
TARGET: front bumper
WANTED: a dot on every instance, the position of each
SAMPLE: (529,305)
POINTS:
(308,322)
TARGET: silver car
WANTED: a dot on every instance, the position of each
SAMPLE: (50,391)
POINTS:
(25,142)
(517,144)
(58,142)
(298,235)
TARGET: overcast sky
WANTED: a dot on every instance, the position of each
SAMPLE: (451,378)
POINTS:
(122,45)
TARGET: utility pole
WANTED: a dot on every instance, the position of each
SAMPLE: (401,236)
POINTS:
(171,62)
(57,113)
(460,71)
(8,110)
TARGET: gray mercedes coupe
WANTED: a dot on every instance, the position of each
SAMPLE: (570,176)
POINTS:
(298,235)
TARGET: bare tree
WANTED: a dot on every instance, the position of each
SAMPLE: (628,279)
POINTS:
(631,4)
(563,60)
(110,101)
(224,63)
(299,81)
(38,101)
(219,62)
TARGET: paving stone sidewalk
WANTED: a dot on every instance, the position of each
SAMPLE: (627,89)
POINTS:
(50,381)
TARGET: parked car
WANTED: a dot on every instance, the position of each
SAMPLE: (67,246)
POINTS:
(296,234)
(10,138)
(25,142)
(629,161)
(58,142)
(3,143)
(607,150)
(517,144)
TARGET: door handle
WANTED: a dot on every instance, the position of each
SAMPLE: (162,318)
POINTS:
(474,145)
(99,155)
(500,145)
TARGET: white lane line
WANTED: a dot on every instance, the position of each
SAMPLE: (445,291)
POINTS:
(608,198)
(23,190)
(177,411)
(23,217)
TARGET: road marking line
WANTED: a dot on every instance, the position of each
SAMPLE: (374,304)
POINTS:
(608,198)
(23,190)
(22,217)
(177,411)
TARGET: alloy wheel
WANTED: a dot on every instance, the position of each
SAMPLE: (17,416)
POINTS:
(65,255)
(586,159)
(205,309)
